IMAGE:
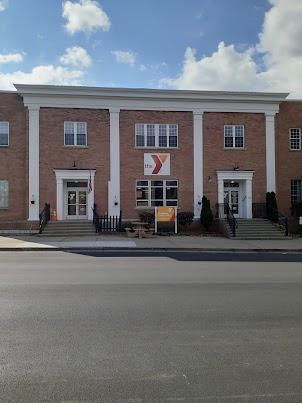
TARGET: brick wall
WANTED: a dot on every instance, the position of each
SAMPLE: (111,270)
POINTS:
(288,163)
(218,158)
(132,160)
(54,155)
(13,159)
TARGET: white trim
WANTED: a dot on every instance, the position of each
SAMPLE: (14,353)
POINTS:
(270,153)
(156,135)
(77,174)
(114,204)
(246,176)
(33,164)
(5,145)
(290,138)
(75,134)
(233,137)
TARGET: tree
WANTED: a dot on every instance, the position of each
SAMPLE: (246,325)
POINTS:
(271,206)
(206,215)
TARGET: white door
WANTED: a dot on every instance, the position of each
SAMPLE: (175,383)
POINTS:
(76,204)
(231,197)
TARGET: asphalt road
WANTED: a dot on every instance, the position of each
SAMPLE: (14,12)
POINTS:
(77,328)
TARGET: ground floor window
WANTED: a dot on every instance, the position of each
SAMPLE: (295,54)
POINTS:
(296,191)
(3,194)
(151,193)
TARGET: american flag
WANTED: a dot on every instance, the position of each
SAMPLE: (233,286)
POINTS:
(90,184)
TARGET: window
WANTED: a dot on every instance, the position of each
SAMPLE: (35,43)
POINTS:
(295,139)
(4,129)
(234,136)
(156,193)
(156,135)
(3,194)
(75,133)
(296,191)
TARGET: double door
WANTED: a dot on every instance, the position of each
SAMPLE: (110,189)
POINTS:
(76,204)
(231,197)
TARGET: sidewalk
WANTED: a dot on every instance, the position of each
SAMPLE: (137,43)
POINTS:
(159,242)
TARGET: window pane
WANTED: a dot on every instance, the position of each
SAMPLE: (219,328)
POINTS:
(239,137)
(173,134)
(156,203)
(171,193)
(139,135)
(81,139)
(140,203)
(3,194)
(3,133)
(142,183)
(171,183)
(81,127)
(157,193)
(69,139)
(296,191)
(162,140)
(228,136)
(157,183)
(239,142)
(295,139)
(142,193)
(228,142)
(171,203)
(150,136)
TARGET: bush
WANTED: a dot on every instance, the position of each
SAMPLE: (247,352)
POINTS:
(185,218)
(271,206)
(127,224)
(206,215)
(147,216)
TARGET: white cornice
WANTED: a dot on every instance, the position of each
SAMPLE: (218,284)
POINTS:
(147,99)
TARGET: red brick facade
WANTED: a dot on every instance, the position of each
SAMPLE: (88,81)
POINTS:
(54,155)
(96,156)
(252,157)
(132,159)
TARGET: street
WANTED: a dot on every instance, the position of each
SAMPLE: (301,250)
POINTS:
(81,327)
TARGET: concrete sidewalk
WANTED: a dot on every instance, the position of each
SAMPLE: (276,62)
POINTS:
(157,242)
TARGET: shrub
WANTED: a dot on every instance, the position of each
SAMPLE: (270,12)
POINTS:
(206,215)
(271,206)
(147,216)
(127,224)
(185,218)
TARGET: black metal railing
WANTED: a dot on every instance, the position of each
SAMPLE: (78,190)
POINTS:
(223,211)
(107,223)
(44,217)
(263,210)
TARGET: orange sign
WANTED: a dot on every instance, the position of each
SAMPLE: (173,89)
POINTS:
(165,214)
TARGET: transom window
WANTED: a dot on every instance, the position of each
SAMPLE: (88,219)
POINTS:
(4,130)
(234,136)
(75,133)
(295,139)
(156,135)
(3,194)
(156,193)
(296,191)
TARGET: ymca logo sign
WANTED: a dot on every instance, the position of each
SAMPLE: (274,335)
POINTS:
(156,164)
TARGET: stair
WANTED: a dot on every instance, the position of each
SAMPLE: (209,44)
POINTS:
(257,228)
(68,228)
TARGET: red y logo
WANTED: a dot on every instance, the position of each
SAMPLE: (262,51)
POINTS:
(159,161)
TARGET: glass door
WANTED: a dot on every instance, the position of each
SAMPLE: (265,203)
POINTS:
(231,197)
(76,204)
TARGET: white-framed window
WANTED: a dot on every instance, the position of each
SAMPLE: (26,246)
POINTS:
(3,194)
(150,135)
(233,136)
(4,134)
(296,191)
(295,139)
(151,193)
(75,133)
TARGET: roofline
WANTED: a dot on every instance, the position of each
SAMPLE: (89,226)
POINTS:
(8,92)
(189,95)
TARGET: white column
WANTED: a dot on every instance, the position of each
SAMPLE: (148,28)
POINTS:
(220,191)
(60,199)
(270,153)
(198,160)
(114,206)
(249,198)
(33,164)
(91,198)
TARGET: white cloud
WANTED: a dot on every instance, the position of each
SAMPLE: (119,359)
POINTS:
(45,74)
(11,58)
(3,5)
(76,56)
(229,68)
(85,15)
(124,57)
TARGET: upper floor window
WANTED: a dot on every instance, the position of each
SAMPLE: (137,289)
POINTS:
(234,136)
(294,139)
(156,135)
(75,133)
(4,129)
(3,194)
(296,191)
(156,193)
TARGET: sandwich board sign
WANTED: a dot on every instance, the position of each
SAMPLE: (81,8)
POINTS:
(166,214)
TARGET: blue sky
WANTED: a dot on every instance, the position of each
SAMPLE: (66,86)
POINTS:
(144,43)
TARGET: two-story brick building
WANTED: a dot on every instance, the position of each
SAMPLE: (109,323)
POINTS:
(133,149)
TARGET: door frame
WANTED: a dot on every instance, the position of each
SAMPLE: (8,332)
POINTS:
(76,190)
(63,175)
(239,191)
(245,178)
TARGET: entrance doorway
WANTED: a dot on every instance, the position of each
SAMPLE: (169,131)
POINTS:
(76,200)
(231,196)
